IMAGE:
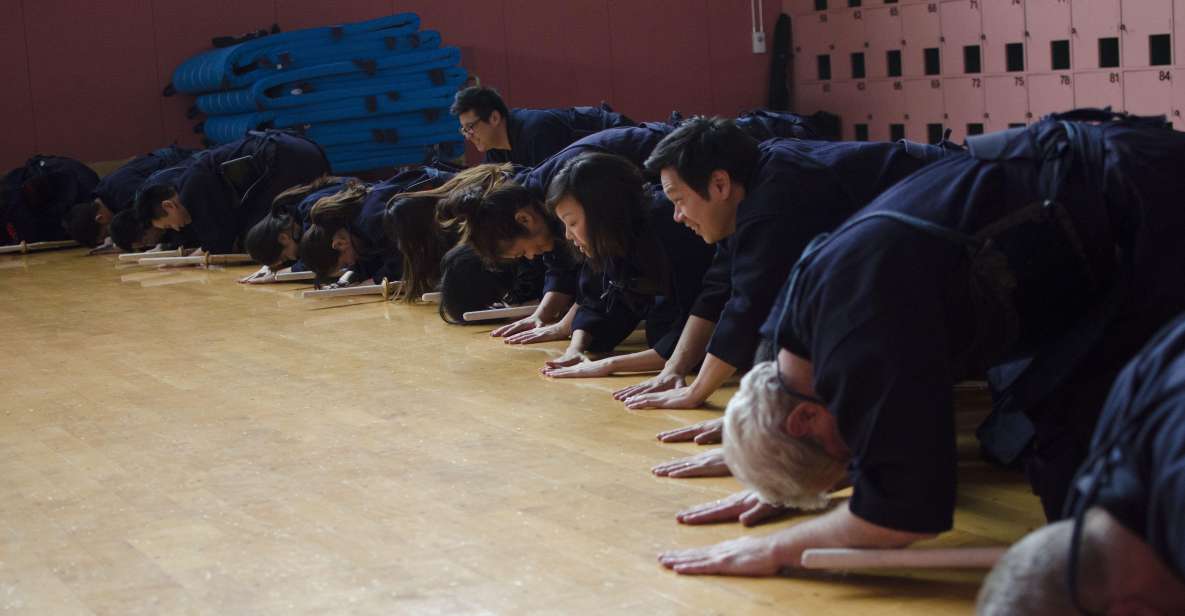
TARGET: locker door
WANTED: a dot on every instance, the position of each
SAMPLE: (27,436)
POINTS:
(920,29)
(1142,19)
(1050,93)
(1093,20)
(848,26)
(812,37)
(1046,21)
(1148,92)
(1098,89)
(813,96)
(1178,32)
(882,30)
(1178,116)
(923,99)
(962,29)
(1003,24)
(1006,101)
(850,102)
(963,101)
(886,99)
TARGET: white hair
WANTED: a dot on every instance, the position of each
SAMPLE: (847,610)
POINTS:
(782,469)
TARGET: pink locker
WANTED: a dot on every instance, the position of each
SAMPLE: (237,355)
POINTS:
(1003,24)
(1141,19)
(812,36)
(923,99)
(882,30)
(1178,116)
(962,27)
(886,99)
(850,103)
(848,29)
(1006,101)
(920,29)
(1098,89)
(1148,92)
(1092,20)
(794,8)
(1045,21)
(812,97)
(1179,33)
(1050,93)
(962,99)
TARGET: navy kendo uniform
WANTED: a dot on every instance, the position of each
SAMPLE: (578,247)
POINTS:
(1136,468)
(118,189)
(1060,243)
(634,143)
(230,188)
(798,190)
(537,134)
(35,197)
(657,282)
(378,255)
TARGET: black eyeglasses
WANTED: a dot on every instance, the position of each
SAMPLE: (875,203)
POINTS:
(467,128)
(801,397)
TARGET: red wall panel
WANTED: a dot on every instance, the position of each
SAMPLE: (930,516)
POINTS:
(652,74)
(85,79)
(740,78)
(184,28)
(93,77)
(296,14)
(558,53)
(20,135)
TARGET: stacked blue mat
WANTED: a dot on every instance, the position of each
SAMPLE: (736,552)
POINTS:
(373,94)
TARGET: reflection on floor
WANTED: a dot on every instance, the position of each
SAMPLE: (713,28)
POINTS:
(172,442)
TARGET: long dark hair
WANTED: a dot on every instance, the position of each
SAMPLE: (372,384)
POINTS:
(263,239)
(410,220)
(610,189)
(488,218)
(424,229)
(329,214)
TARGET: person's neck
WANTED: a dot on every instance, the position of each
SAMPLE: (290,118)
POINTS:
(503,140)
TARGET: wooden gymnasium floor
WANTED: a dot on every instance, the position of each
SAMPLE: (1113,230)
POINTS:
(174,443)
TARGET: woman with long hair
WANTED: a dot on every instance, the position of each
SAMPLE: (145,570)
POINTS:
(274,241)
(647,267)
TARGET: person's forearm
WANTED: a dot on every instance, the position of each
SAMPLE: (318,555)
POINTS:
(552,307)
(642,361)
(580,342)
(692,346)
(710,377)
(839,528)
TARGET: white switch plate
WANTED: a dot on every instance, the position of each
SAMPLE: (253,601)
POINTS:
(758,42)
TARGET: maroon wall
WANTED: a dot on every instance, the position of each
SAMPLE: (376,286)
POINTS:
(84,79)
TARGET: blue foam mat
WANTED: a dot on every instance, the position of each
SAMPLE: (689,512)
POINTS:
(348,160)
(239,65)
(324,90)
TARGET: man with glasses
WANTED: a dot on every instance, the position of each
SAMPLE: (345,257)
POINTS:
(1053,243)
(525,137)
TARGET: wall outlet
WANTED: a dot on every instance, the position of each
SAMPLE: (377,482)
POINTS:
(758,42)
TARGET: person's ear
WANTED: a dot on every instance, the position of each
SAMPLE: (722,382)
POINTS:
(495,118)
(800,421)
(284,237)
(719,184)
(525,218)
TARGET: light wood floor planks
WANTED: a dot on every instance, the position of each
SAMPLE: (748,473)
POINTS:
(175,443)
